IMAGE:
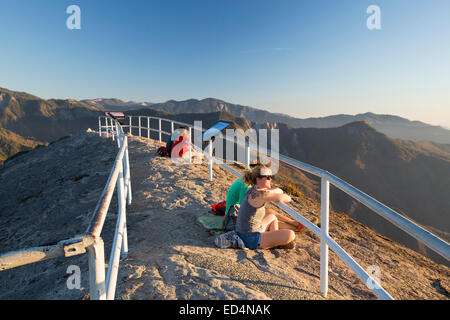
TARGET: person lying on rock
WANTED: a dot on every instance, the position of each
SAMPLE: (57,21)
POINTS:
(260,227)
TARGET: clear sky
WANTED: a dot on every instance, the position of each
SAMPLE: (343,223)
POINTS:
(303,58)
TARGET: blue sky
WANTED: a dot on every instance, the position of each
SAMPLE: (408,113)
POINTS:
(302,58)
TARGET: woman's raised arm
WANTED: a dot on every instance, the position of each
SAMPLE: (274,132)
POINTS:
(257,198)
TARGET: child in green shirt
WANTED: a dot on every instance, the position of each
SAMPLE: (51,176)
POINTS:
(236,193)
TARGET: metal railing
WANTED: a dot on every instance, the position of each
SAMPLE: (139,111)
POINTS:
(119,177)
(326,242)
(100,287)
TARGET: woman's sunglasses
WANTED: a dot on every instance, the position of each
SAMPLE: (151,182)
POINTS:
(268,177)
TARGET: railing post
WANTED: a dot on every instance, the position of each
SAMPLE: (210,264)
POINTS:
(107,127)
(118,137)
(130,128)
(139,126)
(99,126)
(128,174)
(96,253)
(247,155)
(127,195)
(124,251)
(148,127)
(112,129)
(122,205)
(210,160)
(324,222)
(159,120)
(113,266)
(190,147)
(171,126)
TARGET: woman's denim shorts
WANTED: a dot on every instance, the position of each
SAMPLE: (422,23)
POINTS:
(251,240)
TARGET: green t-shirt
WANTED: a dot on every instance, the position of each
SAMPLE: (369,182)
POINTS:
(236,193)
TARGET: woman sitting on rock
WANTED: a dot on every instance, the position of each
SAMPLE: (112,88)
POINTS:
(258,227)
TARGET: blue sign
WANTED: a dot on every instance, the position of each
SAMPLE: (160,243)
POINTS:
(215,129)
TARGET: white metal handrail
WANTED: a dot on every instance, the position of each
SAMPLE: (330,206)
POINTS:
(123,184)
(326,242)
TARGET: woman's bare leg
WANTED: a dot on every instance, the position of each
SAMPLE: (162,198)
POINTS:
(284,225)
(270,222)
(284,222)
(275,238)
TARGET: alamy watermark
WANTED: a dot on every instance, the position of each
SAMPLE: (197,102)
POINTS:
(74,280)
(74,20)
(373,22)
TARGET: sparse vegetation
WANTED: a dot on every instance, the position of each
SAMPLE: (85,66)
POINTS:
(291,189)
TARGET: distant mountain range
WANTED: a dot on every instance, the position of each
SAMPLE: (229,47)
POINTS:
(115,104)
(390,125)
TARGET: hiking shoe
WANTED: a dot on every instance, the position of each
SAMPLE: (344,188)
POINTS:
(222,241)
(229,240)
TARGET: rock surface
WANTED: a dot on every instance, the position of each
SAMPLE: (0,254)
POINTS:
(49,194)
